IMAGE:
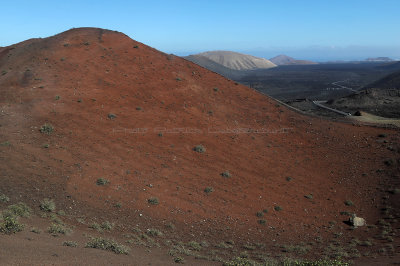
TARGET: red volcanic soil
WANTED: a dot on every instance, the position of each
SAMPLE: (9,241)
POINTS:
(130,114)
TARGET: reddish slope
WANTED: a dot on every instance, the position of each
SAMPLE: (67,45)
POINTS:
(97,72)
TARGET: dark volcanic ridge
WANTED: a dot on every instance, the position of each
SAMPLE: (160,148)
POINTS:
(182,147)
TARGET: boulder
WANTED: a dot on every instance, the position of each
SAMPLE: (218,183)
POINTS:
(357,221)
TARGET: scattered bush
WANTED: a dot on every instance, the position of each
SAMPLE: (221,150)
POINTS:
(226,174)
(112,116)
(46,129)
(47,205)
(107,225)
(199,148)
(9,223)
(107,244)
(208,190)
(35,230)
(348,203)
(102,181)
(70,244)
(154,232)
(153,201)
(4,198)
(56,229)
(20,209)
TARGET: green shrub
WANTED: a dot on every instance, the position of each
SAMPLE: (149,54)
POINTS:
(226,174)
(46,129)
(208,190)
(107,225)
(199,148)
(215,89)
(154,232)
(259,214)
(70,244)
(262,221)
(309,196)
(102,181)
(4,198)
(56,229)
(9,223)
(153,201)
(20,209)
(348,203)
(47,205)
(107,244)
(112,116)
(277,208)
(5,143)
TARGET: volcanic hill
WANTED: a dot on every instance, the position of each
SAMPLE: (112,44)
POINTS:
(112,129)
(283,60)
(233,60)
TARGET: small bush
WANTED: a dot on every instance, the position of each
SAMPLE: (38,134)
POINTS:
(102,181)
(215,89)
(20,209)
(9,223)
(111,116)
(35,230)
(226,174)
(107,225)
(47,205)
(348,203)
(57,97)
(199,148)
(135,46)
(107,244)
(138,108)
(394,191)
(56,229)
(259,214)
(70,244)
(278,208)
(262,221)
(153,201)
(4,198)
(265,211)
(154,232)
(208,190)
(179,260)
(46,129)
(309,196)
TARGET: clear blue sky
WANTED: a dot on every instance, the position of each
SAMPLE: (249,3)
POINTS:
(312,29)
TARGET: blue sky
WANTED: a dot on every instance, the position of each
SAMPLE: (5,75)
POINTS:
(306,29)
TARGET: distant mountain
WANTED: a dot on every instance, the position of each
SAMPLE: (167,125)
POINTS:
(236,61)
(281,60)
(379,59)
(215,67)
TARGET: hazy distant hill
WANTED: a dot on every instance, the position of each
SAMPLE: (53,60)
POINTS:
(379,59)
(235,60)
(281,60)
